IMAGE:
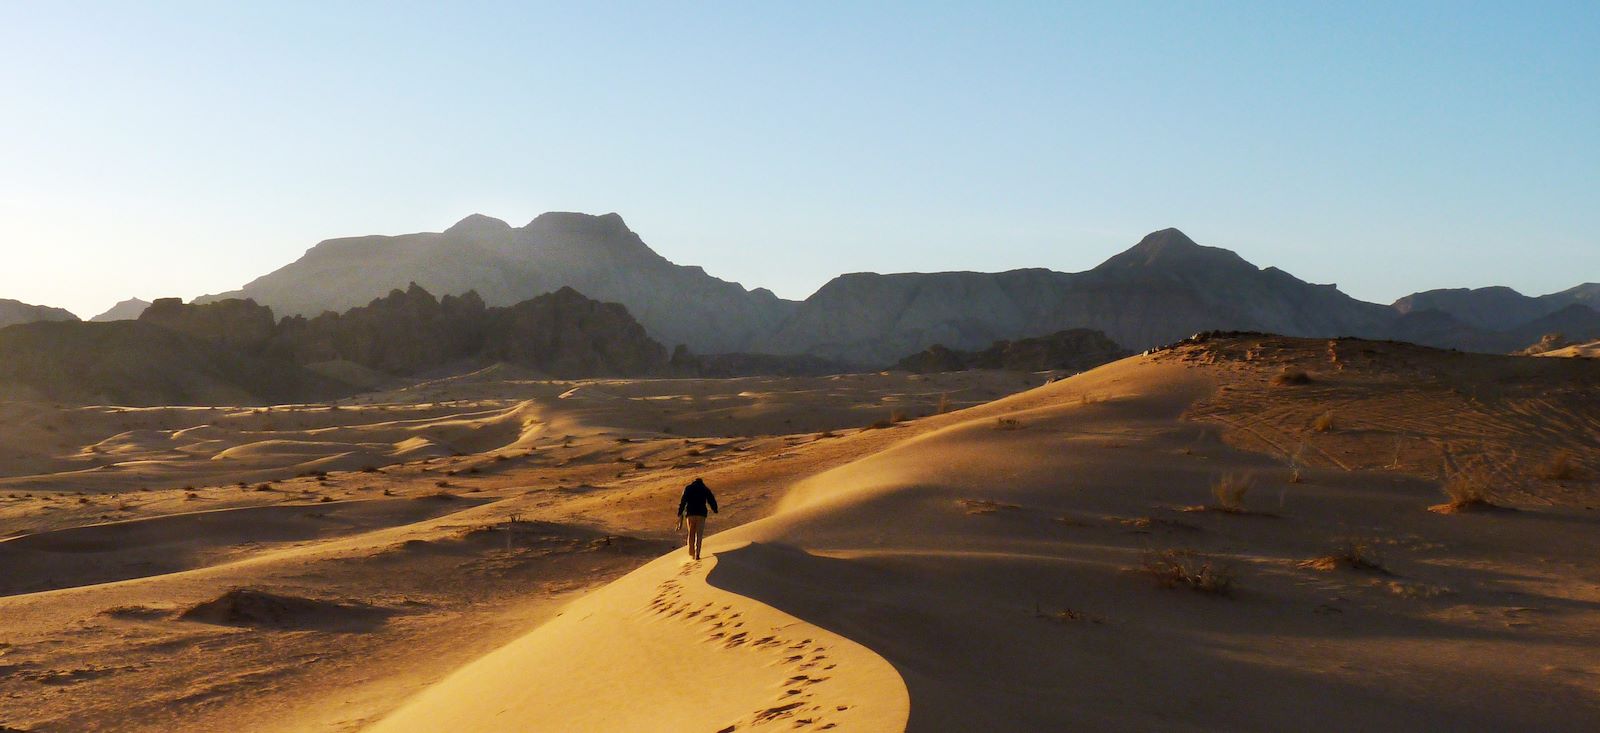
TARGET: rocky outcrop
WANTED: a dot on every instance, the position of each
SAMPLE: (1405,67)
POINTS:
(596,255)
(139,363)
(410,332)
(1071,350)
(567,335)
(242,325)
(405,332)
(13,312)
(127,310)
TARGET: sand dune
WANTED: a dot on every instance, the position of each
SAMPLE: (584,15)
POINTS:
(994,567)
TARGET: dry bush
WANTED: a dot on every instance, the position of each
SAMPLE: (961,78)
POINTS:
(1291,376)
(880,424)
(1467,492)
(1230,489)
(1323,423)
(1352,554)
(944,403)
(1560,467)
(985,506)
(897,416)
(1187,568)
(1007,423)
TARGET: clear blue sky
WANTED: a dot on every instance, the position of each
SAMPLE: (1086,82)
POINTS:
(158,149)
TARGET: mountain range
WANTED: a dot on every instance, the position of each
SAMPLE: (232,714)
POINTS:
(1162,289)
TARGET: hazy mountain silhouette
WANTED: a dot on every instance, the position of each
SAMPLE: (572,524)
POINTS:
(15,311)
(1498,308)
(1162,289)
(596,255)
(126,310)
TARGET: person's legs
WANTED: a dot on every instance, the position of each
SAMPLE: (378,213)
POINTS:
(697,528)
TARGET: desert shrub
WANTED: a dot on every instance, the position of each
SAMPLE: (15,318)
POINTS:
(1229,491)
(1188,569)
(1467,492)
(369,469)
(897,416)
(1352,554)
(1007,423)
(944,402)
(880,424)
(263,487)
(441,483)
(1291,376)
(1323,423)
(191,496)
(1560,467)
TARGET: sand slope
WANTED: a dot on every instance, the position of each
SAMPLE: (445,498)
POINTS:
(992,560)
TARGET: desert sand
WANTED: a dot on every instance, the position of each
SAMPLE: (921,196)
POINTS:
(494,553)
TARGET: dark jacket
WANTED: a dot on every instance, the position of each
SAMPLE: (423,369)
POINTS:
(696,497)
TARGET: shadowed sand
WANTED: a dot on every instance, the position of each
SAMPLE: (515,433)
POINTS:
(982,569)
(991,563)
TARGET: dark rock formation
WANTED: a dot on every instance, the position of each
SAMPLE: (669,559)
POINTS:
(1073,350)
(565,334)
(139,363)
(237,324)
(410,332)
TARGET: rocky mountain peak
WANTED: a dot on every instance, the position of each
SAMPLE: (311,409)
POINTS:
(1167,249)
(477,225)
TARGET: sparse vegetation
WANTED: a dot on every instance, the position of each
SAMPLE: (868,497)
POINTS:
(1560,467)
(1229,491)
(985,506)
(1291,376)
(880,424)
(1353,555)
(1007,423)
(1467,492)
(1323,422)
(1174,568)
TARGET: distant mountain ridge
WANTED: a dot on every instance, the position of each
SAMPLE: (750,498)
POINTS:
(13,312)
(1163,288)
(595,255)
(126,310)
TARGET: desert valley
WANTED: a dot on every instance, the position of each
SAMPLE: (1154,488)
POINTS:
(1000,367)
(454,513)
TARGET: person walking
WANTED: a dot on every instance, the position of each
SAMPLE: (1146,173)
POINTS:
(696,497)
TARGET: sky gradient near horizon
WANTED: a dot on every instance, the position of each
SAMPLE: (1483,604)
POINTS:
(167,149)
